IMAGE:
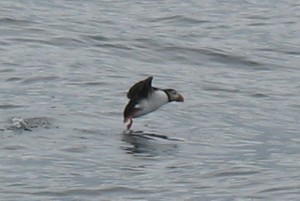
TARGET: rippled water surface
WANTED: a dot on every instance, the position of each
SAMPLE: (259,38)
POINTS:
(65,67)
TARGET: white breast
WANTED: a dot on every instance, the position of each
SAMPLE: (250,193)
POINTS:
(156,100)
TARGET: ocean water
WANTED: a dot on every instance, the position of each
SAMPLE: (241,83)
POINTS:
(65,68)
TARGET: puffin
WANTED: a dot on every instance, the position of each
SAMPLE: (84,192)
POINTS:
(143,99)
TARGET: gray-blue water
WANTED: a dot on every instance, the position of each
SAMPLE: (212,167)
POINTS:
(65,66)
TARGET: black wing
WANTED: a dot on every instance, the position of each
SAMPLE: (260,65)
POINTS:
(140,89)
(130,109)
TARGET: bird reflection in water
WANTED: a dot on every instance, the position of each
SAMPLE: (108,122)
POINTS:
(149,144)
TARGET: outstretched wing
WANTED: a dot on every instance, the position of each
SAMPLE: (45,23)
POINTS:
(140,89)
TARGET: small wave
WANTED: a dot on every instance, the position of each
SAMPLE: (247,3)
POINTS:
(215,55)
(75,149)
(6,70)
(14,147)
(112,45)
(295,105)
(226,57)
(96,83)
(14,79)
(95,37)
(221,89)
(35,79)
(2,43)
(10,106)
(7,20)
(259,95)
(235,173)
(278,189)
(179,19)
(56,41)
(289,52)
(66,41)
(29,40)
(91,192)
(101,41)
(257,24)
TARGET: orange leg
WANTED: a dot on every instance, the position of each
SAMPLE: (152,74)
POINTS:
(130,123)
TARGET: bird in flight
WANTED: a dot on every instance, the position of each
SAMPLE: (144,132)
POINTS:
(143,99)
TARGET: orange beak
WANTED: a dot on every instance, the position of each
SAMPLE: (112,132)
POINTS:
(180,98)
